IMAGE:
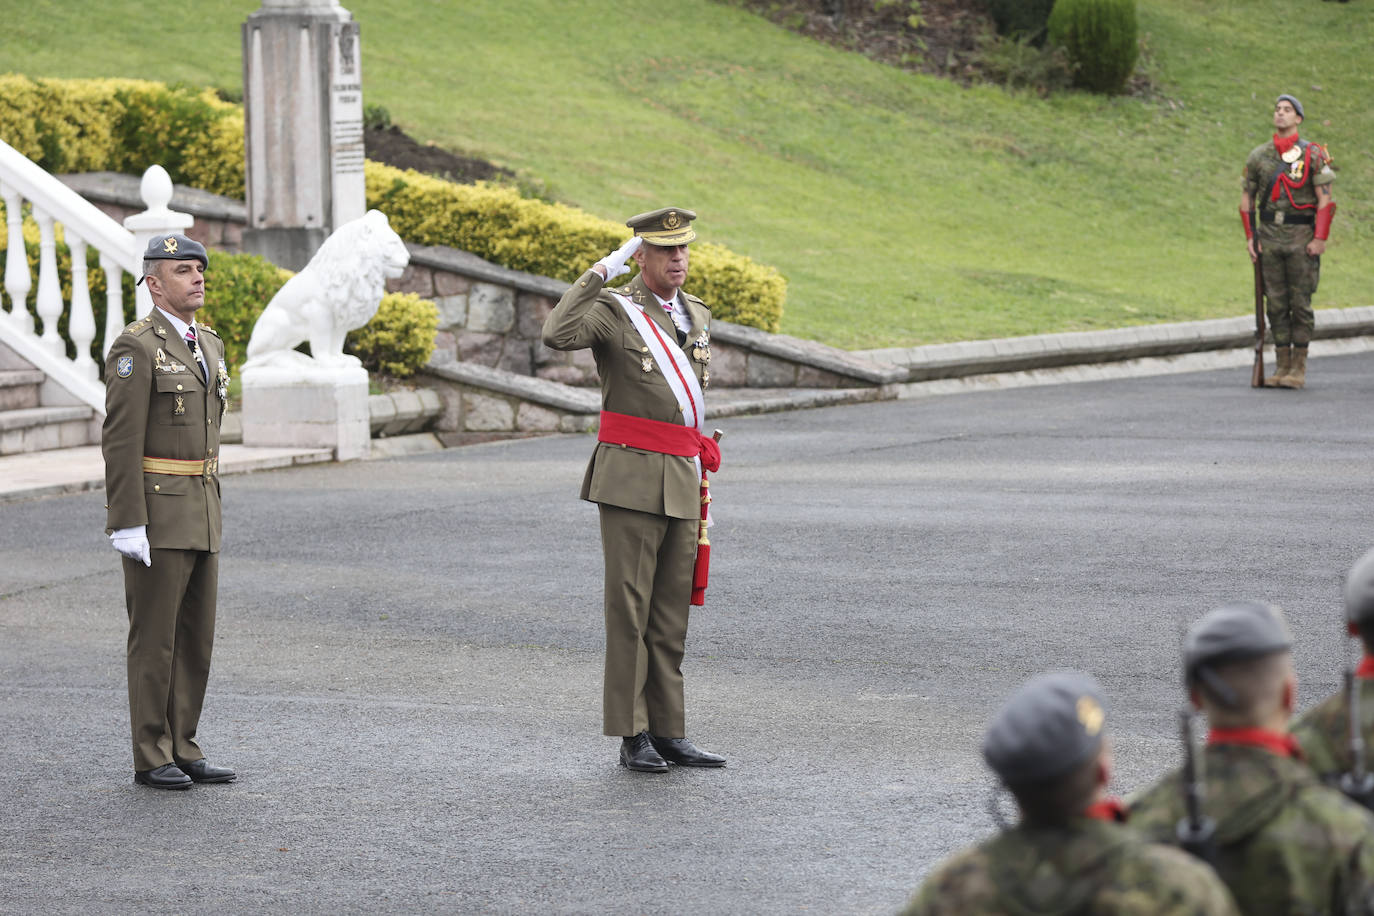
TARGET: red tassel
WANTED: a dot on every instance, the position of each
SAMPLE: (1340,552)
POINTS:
(700,574)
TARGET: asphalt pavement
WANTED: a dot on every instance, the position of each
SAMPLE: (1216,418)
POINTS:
(407,663)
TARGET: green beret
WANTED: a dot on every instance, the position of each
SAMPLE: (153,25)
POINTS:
(1359,590)
(1233,632)
(665,228)
(1049,726)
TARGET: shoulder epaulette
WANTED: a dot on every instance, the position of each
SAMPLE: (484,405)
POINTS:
(206,327)
(138,327)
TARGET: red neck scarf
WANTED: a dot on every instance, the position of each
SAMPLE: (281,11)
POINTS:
(1284,144)
(1110,809)
(1281,743)
(1366,668)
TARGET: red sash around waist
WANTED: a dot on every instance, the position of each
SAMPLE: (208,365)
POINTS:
(650,435)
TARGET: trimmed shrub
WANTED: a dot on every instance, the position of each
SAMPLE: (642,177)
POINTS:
(124,125)
(400,337)
(554,240)
(1021,18)
(1101,38)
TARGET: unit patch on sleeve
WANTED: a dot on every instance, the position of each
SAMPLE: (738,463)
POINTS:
(124,366)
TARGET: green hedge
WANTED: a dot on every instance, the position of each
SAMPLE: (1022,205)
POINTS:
(126,125)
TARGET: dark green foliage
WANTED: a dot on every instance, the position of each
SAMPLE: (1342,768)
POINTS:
(1017,63)
(1101,38)
(1021,18)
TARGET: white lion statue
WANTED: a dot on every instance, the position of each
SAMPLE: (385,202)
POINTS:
(339,290)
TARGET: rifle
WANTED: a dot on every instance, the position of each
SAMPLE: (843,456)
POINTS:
(1357,782)
(1196,831)
(1257,373)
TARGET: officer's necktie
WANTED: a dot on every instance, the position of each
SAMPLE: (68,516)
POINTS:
(195,351)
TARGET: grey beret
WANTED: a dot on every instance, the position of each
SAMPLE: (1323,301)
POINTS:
(1050,725)
(1359,590)
(175,247)
(1297,106)
(1234,632)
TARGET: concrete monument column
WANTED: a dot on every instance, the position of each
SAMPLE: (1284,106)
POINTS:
(303,116)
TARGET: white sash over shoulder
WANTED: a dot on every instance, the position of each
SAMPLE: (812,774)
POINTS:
(672,362)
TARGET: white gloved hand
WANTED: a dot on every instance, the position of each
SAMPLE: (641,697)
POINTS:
(614,263)
(133,543)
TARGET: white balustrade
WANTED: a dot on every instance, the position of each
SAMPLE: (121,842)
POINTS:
(119,249)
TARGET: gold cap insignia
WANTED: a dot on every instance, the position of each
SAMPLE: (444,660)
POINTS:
(672,220)
(169,245)
(1090,715)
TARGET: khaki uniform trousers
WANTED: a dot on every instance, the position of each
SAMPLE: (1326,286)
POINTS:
(649,560)
(171,633)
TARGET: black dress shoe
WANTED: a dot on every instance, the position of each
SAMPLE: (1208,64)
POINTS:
(201,771)
(638,753)
(684,753)
(167,776)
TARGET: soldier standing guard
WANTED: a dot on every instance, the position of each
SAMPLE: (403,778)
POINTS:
(1287,183)
(1283,842)
(1324,730)
(165,398)
(1069,853)
(652,347)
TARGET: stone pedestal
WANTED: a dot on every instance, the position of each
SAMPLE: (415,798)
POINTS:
(324,408)
(303,127)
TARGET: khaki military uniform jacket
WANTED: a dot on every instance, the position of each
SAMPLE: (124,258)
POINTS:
(1084,868)
(158,405)
(633,384)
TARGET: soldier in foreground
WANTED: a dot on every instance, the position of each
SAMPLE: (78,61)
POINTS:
(1335,733)
(645,475)
(1283,843)
(165,395)
(1068,854)
(1286,185)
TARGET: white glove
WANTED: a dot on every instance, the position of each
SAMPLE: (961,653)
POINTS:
(614,263)
(133,543)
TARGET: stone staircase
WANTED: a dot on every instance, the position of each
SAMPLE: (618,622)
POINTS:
(27,424)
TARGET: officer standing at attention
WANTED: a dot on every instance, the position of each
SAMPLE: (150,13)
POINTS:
(1283,842)
(1288,184)
(165,397)
(1069,853)
(1324,730)
(645,475)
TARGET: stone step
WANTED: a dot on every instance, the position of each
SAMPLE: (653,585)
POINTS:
(19,388)
(37,429)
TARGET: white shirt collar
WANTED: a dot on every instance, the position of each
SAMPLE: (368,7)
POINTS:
(176,322)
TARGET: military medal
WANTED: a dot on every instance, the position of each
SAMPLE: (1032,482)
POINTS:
(1292,154)
(646,364)
(701,349)
(705,378)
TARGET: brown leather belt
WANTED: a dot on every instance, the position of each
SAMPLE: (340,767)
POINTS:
(181,467)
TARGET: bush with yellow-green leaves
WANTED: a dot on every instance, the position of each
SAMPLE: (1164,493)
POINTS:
(124,125)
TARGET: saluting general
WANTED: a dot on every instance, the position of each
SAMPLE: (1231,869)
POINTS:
(651,342)
(165,398)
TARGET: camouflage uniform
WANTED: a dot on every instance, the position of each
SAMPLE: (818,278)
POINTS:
(1284,843)
(1086,867)
(1290,273)
(1324,732)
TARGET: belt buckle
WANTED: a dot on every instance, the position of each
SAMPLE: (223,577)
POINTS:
(1278,217)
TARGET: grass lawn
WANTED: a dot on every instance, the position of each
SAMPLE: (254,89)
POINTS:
(902,209)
